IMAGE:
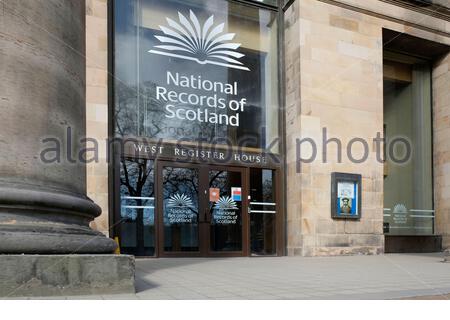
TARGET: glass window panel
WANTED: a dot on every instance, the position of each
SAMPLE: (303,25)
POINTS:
(262,212)
(126,67)
(226,213)
(137,210)
(196,70)
(181,206)
(408,189)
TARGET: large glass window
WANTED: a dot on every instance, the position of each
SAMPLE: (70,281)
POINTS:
(196,70)
(408,188)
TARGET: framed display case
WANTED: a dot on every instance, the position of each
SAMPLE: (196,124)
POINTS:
(345,196)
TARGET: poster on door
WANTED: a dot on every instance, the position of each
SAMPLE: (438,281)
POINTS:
(214,194)
(236,194)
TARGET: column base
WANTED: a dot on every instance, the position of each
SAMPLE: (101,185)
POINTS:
(65,275)
(48,222)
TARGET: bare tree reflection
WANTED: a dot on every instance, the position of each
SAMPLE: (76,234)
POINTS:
(137,182)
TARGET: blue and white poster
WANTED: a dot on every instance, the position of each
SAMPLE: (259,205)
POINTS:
(347,198)
(236,193)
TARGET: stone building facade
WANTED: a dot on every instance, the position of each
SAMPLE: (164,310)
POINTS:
(333,72)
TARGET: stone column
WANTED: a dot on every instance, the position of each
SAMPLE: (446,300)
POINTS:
(43,207)
(441,148)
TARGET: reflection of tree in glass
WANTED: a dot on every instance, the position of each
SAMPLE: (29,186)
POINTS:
(139,113)
(220,180)
(125,109)
(153,120)
(137,181)
(217,179)
(138,117)
(157,125)
(267,190)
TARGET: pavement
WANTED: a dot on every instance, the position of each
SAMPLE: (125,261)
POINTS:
(389,276)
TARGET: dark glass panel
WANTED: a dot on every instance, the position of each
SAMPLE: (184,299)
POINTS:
(137,211)
(262,212)
(181,207)
(226,212)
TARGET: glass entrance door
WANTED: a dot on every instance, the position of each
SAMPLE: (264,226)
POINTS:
(180,207)
(225,211)
(201,210)
(263,212)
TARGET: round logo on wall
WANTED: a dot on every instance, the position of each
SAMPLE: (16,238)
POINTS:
(400,213)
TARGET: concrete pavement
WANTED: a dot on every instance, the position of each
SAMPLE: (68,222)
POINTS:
(390,276)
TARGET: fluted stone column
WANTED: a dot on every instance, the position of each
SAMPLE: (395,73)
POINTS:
(43,207)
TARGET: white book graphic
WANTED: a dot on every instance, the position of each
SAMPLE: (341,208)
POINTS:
(180,201)
(204,44)
(226,203)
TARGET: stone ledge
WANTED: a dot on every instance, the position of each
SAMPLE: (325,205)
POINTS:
(62,275)
(308,251)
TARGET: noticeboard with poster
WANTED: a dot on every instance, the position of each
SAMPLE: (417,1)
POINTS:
(345,195)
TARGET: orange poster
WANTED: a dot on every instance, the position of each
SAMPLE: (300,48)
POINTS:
(214,194)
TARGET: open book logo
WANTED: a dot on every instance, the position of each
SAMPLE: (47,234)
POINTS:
(400,208)
(204,44)
(226,203)
(180,201)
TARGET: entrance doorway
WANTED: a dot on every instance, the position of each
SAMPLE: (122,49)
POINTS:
(202,210)
(171,208)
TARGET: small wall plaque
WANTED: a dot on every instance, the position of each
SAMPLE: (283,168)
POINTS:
(345,195)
